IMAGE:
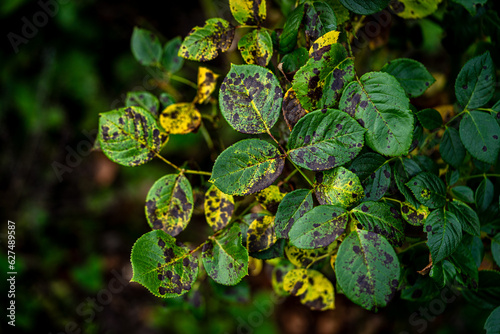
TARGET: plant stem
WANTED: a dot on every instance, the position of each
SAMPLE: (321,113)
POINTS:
(479,175)
(414,245)
(457,115)
(289,176)
(187,171)
(168,162)
(206,136)
(277,142)
(198,172)
(183,80)
(301,172)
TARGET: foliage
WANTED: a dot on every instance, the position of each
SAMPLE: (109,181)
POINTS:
(378,196)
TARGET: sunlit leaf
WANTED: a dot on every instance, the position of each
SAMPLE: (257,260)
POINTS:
(293,206)
(261,234)
(219,208)
(144,100)
(207,80)
(312,287)
(180,118)
(256,47)
(338,186)
(248,11)
(414,9)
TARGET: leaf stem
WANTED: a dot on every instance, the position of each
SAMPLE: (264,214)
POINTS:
(414,245)
(289,176)
(183,80)
(277,142)
(301,172)
(479,175)
(457,115)
(168,162)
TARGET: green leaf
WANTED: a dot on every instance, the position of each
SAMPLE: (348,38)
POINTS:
(307,257)
(294,60)
(466,267)
(169,204)
(146,47)
(261,235)
(484,194)
(378,218)
(144,100)
(367,269)
(444,233)
(414,216)
(374,174)
(288,38)
(171,60)
(324,139)
(319,227)
(309,81)
(292,207)
(451,148)
(430,118)
(338,186)
(163,265)
(219,208)
(277,250)
(224,257)
(414,9)
(379,103)
(247,167)
(411,74)
(466,216)
(487,295)
(204,43)
(129,136)
(166,100)
(428,189)
(250,99)
(492,324)
(365,7)
(335,82)
(249,12)
(480,135)
(292,109)
(312,287)
(256,47)
(495,248)
(319,19)
(404,169)
(475,83)
(471,6)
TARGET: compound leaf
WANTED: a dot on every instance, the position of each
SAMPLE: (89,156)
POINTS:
(338,186)
(292,208)
(180,118)
(411,74)
(249,12)
(312,287)
(256,47)
(444,233)
(428,189)
(250,99)
(219,208)
(169,204)
(480,134)
(324,139)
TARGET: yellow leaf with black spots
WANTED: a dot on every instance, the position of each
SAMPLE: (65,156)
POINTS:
(413,216)
(180,118)
(338,186)
(306,257)
(292,109)
(414,9)
(323,44)
(312,287)
(219,208)
(260,235)
(207,80)
(270,197)
(248,11)
(256,47)
(278,276)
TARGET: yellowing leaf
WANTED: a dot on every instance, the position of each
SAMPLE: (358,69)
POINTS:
(292,109)
(270,197)
(180,118)
(219,208)
(338,186)
(306,257)
(248,11)
(313,288)
(414,9)
(260,235)
(207,80)
(414,216)
(323,44)
(256,47)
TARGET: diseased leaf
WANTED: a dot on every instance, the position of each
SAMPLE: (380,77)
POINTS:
(270,197)
(466,216)
(288,38)
(495,248)
(475,83)
(294,60)
(444,233)
(169,204)
(430,118)
(319,227)
(324,139)
(277,250)
(323,44)
(170,59)
(207,80)
(379,218)
(166,100)
(247,167)
(414,216)
(335,82)
(484,194)
(129,136)
(307,257)
(365,7)
(312,287)
(256,47)
(278,277)
(492,324)
(319,19)
(204,43)
(163,265)
(219,208)
(463,193)
(292,109)
(248,11)
(414,9)
(341,13)
(180,118)
(146,47)
(291,209)
(224,257)
(367,269)
(428,190)
(404,169)
(379,103)
(374,174)
(144,100)
(250,99)
(261,234)
(411,74)
(338,186)
(480,135)
(451,148)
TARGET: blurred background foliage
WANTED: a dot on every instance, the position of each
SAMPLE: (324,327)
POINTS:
(76,225)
